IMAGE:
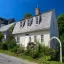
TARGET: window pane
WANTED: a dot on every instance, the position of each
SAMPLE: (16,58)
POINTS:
(28,22)
(29,39)
(34,38)
(36,20)
(23,23)
(42,38)
(18,39)
(40,19)
(20,23)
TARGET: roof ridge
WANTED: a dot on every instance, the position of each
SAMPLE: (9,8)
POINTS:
(39,14)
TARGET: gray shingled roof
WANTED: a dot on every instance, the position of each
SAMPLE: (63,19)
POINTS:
(45,24)
(6,27)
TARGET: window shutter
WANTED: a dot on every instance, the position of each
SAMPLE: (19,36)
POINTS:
(40,19)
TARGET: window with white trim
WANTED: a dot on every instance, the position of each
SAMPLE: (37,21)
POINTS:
(28,22)
(18,39)
(42,38)
(37,20)
(35,39)
(29,39)
(20,23)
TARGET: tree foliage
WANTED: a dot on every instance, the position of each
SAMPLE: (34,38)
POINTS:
(60,20)
(61,24)
(11,20)
(1,36)
(27,15)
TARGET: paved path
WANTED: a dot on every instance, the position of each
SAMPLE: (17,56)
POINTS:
(5,59)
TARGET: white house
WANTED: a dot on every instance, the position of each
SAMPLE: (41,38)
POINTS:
(41,27)
(5,30)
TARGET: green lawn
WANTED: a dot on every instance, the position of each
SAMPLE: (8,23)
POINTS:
(39,61)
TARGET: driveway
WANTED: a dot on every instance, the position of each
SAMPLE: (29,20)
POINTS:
(5,59)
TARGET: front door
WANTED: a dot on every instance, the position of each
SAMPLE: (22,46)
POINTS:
(26,40)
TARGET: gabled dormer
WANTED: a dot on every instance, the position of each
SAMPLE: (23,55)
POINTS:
(29,22)
(22,23)
(38,19)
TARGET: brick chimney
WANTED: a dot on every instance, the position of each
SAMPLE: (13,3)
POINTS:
(37,11)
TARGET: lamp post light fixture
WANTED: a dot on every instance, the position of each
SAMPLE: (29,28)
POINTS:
(60,47)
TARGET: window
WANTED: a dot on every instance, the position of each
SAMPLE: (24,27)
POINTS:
(26,34)
(34,38)
(36,19)
(42,38)
(23,23)
(40,19)
(31,20)
(28,22)
(20,23)
(29,39)
(18,39)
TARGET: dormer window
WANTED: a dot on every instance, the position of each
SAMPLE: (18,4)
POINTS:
(37,20)
(22,23)
(30,21)
(40,19)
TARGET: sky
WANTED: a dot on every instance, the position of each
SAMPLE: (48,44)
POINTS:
(18,8)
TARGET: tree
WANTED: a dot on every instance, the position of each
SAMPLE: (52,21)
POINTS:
(11,42)
(28,15)
(61,24)
(11,20)
(1,36)
(60,20)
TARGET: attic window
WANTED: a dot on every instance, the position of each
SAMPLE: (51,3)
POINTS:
(36,19)
(30,21)
(22,23)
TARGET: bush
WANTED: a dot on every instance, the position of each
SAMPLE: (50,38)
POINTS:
(14,49)
(11,44)
(4,46)
(38,50)
(20,50)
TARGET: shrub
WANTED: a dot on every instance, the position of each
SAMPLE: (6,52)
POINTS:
(4,46)
(14,49)
(1,37)
(38,50)
(20,49)
(11,44)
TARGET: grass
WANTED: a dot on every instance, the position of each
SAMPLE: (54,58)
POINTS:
(17,55)
(39,61)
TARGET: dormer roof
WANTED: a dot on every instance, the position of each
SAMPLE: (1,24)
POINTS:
(44,19)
